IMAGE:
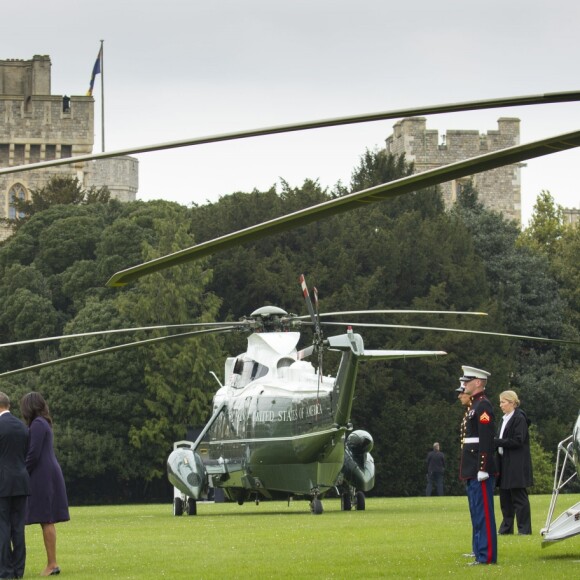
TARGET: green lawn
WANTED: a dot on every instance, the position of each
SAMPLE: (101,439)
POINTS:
(394,537)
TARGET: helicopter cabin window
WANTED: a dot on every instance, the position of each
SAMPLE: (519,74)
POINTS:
(283,364)
(252,370)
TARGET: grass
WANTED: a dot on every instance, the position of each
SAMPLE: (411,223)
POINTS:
(394,538)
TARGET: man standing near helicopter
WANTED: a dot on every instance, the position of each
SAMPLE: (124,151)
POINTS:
(477,466)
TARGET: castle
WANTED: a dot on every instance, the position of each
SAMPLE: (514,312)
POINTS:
(498,189)
(38,126)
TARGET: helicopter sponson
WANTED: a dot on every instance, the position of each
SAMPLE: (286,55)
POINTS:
(359,466)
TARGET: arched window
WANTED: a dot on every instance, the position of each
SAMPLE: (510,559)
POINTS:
(17,191)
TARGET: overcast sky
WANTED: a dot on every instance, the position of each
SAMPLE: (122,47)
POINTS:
(181,68)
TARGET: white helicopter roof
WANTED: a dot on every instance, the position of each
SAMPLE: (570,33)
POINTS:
(267,347)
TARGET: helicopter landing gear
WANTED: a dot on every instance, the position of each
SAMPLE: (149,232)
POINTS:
(352,498)
(345,502)
(316,506)
(191,507)
(177,506)
(180,505)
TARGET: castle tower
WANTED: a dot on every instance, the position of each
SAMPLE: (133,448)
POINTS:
(38,126)
(498,189)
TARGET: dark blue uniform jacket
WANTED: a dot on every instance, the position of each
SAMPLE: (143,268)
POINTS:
(477,439)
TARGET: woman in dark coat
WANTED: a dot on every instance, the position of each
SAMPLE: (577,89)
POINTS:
(515,465)
(48,503)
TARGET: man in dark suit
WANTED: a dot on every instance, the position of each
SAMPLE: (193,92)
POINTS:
(14,489)
(435,470)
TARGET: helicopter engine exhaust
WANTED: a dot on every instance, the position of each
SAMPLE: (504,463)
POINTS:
(187,473)
(359,465)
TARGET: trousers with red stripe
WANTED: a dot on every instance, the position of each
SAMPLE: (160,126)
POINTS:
(484,538)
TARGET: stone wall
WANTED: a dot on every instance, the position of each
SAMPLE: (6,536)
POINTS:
(25,77)
(499,189)
(119,174)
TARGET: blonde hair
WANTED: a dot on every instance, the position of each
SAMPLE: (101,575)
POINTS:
(510,396)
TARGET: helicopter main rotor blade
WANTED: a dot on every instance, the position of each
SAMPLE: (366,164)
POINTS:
(539,99)
(461,330)
(116,348)
(352,312)
(123,330)
(353,201)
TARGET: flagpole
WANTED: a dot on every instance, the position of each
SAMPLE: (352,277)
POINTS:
(102,100)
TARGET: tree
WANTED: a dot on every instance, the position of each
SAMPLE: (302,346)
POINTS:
(542,465)
(565,264)
(546,226)
(59,190)
(178,384)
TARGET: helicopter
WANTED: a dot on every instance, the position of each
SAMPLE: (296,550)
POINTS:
(279,428)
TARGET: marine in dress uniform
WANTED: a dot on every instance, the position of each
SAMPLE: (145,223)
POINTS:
(477,466)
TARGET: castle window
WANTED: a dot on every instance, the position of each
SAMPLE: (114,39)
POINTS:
(17,191)
(4,154)
(19,154)
(65,151)
(50,152)
(34,156)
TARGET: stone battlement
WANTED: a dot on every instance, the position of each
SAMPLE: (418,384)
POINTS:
(499,189)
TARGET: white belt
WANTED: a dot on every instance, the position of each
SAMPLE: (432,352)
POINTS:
(471,440)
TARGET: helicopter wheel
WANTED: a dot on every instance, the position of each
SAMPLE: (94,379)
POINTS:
(177,506)
(316,506)
(360,501)
(191,507)
(346,502)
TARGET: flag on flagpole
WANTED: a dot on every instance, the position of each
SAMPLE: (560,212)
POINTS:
(96,71)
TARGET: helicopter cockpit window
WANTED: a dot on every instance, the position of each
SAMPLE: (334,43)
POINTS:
(252,370)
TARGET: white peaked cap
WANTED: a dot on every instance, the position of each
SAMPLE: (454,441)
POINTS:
(473,373)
